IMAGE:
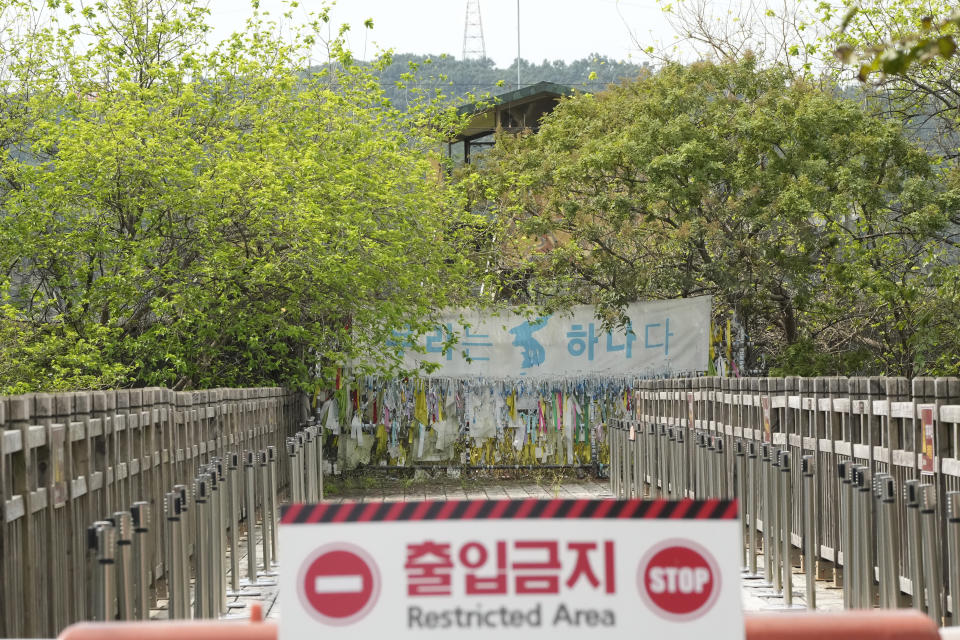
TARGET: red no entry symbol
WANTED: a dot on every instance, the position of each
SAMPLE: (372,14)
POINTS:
(339,584)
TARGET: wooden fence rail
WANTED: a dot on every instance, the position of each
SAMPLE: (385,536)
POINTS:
(909,429)
(69,459)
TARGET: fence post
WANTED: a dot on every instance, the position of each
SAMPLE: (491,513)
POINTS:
(248,469)
(931,552)
(101,541)
(953,554)
(140,512)
(911,496)
(124,564)
(786,503)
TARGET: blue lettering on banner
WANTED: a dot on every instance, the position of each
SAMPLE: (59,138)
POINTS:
(578,344)
(468,344)
(666,336)
(401,339)
(534,354)
(436,340)
(631,337)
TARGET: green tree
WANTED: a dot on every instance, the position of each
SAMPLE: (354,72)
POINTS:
(823,228)
(906,49)
(183,217)
(923,34)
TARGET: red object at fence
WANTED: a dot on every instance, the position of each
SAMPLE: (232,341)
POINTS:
(903,624)
(895,624)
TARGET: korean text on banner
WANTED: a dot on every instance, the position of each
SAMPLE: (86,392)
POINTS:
(661,337)
(661,569)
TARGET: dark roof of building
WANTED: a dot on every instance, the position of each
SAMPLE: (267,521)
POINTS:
(517,96)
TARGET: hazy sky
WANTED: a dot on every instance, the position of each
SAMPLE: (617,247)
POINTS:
(549,29)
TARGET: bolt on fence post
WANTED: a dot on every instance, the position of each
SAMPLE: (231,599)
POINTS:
(786,504)
(807,470)
(272,499)
(101,540)
(140,513)
(953,554)
(931,551)
(124,564)
(248,471)
(266,529)
(752,521)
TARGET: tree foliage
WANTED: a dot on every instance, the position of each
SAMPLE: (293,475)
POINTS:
(183,216)
(826,230)
(906,49)
(934,38)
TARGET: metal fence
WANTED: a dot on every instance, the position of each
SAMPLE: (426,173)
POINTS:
(852,480)
(70,460)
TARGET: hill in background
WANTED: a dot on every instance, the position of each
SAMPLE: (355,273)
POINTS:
(460,78)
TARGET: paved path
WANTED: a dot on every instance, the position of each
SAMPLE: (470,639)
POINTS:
(758,594)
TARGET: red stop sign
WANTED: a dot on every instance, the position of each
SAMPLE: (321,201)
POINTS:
(339,584)
(679,580)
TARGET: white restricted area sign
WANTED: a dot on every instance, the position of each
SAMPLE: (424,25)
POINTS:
(516,568)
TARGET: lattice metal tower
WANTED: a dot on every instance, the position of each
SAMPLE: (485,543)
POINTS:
(473,45)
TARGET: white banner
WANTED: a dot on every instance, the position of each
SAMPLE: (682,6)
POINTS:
(668,336)
(524,569)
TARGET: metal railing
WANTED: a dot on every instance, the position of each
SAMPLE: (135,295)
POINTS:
(852,480)
(198,525)
(92,479)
